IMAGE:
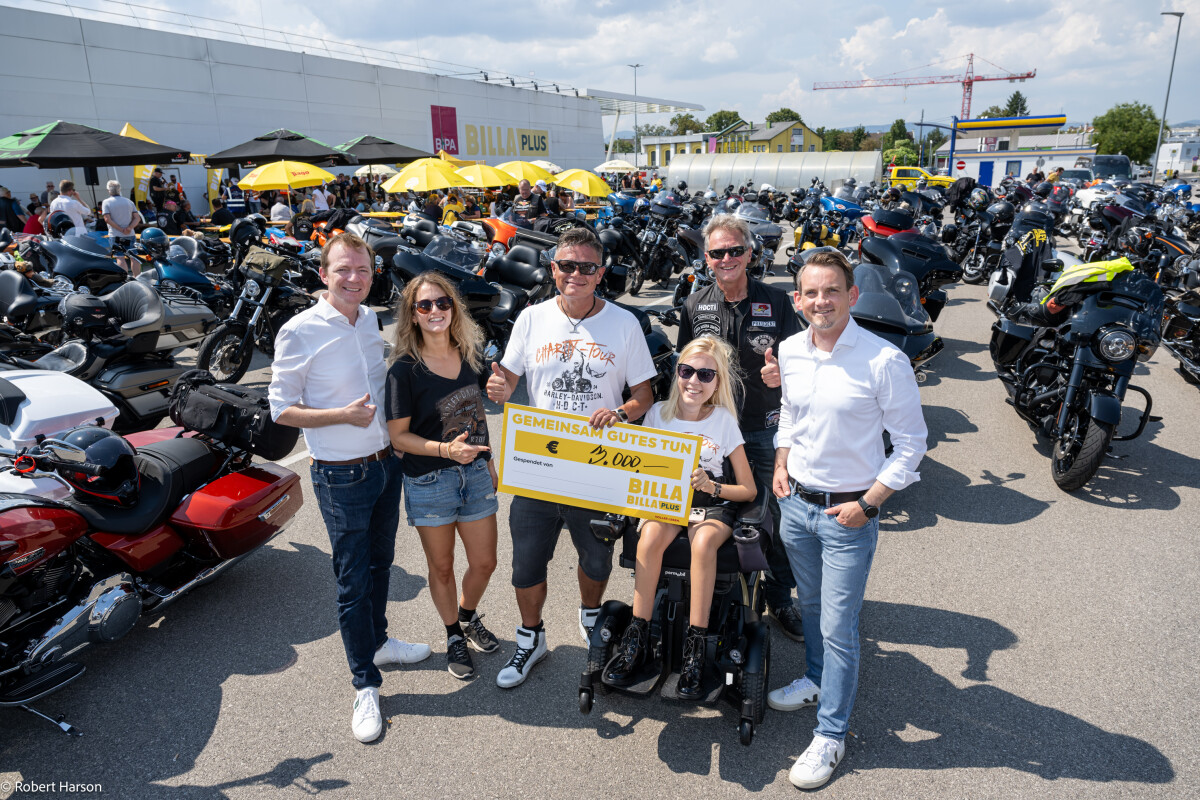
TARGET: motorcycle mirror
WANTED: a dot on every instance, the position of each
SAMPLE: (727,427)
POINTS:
(64,452)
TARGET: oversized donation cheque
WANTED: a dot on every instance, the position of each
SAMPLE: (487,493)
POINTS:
(625,469)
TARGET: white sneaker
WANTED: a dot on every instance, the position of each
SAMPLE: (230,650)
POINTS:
(394,651)
(815,765)
(797,694)
(368,722)
(531,648)
(587,621)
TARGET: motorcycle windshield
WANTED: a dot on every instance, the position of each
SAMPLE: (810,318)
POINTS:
(844,193)
(889,297)
(455,252)
(751,212)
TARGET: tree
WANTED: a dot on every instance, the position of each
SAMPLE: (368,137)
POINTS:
(683,124)
(898,132)
(783,115)
(992,112)
(830,140)
(1128,128)
(902,154)
(651,130)
(720,120)
(933,140)
(1017,106)
(623,146)
(857,136)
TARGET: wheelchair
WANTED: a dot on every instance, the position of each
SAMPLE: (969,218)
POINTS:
(738,655)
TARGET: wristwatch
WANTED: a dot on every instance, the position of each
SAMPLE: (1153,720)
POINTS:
(871,511)
(621,414)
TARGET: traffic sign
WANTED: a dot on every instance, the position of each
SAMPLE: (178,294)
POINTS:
(961,165)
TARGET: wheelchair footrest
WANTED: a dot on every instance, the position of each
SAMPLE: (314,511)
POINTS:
(713,684)
(645,682)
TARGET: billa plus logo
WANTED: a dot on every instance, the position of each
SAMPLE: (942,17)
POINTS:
(445,128)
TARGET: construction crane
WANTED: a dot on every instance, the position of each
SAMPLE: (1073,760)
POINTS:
(968,80)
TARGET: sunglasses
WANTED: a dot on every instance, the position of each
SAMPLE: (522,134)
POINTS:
(720,253)
(584,267)
(686,371)
(443,303)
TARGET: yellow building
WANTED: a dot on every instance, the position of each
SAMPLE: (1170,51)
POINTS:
(740,137)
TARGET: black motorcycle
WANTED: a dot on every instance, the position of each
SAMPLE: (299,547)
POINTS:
(1069,379)
(1181,316)
(889,305)
(266,301)
(920,256)
(82,260)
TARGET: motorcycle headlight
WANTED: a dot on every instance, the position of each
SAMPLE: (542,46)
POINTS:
(252,289)
(1116,346)
(497,249)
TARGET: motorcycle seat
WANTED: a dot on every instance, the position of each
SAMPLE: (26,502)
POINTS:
(137,306)
(505,308)
(166,473)
(522,267)
(421,232)
(17,298)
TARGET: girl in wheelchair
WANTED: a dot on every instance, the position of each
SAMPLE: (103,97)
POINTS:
(701,402)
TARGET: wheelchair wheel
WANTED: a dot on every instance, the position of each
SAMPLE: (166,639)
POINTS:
(585,701)
(753,685)
(746,732)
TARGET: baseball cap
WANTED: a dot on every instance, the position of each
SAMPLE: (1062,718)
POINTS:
(541,184)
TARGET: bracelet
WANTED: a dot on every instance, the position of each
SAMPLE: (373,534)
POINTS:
(440,450)
(716,492)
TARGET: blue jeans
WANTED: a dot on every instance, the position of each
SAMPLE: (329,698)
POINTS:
(778,582)
(361,508)
(831,563)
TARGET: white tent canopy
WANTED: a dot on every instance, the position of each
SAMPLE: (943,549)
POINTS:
(784,171)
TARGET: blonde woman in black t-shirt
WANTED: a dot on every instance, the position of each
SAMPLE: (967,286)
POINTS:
(436,417)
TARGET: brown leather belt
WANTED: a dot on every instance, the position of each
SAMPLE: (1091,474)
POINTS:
(824,498)
(380,456)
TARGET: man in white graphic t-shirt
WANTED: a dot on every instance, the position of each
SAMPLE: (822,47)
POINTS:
(577,353)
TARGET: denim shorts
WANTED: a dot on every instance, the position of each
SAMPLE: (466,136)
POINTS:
(461,493)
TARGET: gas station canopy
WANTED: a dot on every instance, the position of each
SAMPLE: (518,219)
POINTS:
(1011,127)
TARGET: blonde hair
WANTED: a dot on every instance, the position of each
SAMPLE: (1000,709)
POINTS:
(729,382)
(465,333)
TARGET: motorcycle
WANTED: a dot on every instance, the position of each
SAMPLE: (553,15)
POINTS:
(266,301)
(137,532)
(925,259)
(1181,315)
(1068,380)
(181,265)
(889,305)
(82,260)
(122,344)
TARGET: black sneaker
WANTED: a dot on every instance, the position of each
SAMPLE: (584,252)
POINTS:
(630,656)
(691,674)
(458,660)
(788,619)
(478,636)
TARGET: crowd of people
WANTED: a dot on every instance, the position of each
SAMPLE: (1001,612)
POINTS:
(799,413)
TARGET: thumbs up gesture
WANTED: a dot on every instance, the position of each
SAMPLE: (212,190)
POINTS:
(770,370)
(361,411)
(498,390)
(464,453)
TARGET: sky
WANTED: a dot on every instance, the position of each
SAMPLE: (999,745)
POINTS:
(754,57)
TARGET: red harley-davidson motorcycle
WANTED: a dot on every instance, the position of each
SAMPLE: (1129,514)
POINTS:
(139,529)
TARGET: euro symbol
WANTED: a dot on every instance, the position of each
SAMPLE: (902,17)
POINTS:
(552,446)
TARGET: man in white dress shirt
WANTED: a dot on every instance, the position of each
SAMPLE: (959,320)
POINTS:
(842,388)
(328,378)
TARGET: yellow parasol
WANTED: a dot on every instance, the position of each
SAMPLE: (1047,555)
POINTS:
(481,175)
(584,182)
(424,175)
(279,175)
(526,171)
(452,161)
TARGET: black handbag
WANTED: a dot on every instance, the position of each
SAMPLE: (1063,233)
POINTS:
(235,415)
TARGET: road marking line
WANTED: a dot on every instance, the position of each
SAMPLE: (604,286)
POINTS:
(289,461)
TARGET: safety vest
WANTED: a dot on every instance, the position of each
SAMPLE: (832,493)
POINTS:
(1094,272)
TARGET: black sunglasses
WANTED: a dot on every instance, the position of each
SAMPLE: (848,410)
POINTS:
(686,371)
(584,267)
(443,303)
(720,253)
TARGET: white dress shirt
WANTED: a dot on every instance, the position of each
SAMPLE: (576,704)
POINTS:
(836,406)
(324,362)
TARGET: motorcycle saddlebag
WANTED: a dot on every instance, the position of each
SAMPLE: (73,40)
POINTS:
(240,511)
(238,416)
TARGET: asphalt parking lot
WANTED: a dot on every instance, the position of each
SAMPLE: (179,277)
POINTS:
(1017,642)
